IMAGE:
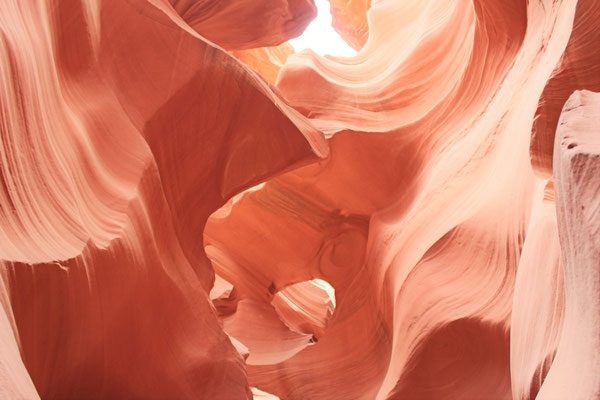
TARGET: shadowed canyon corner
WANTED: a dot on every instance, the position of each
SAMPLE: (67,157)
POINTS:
(191,209)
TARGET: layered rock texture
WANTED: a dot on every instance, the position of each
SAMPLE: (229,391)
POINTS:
(191,210)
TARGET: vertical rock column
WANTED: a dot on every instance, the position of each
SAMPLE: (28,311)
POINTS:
(574,373)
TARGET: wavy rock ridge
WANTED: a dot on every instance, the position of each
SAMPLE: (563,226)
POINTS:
(189,209)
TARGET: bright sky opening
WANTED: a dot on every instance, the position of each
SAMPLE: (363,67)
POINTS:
(321,37)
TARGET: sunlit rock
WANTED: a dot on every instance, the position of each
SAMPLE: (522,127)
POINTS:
(189,209)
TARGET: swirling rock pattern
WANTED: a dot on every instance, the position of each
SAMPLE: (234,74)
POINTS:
(188,209)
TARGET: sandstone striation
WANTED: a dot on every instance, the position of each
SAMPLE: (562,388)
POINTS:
(189,209)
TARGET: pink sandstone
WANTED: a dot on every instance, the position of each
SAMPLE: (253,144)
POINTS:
(189,209)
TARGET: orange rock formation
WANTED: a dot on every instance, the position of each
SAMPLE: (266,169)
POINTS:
(188,209)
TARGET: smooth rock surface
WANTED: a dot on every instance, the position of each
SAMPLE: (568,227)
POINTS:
(189,209)
(574,372)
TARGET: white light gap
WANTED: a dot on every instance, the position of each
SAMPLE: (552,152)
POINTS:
(321,37)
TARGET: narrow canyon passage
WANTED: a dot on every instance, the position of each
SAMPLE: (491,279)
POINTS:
(300,199)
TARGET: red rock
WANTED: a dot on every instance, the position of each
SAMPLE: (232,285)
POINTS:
(579,68)
(574,372)
(538,302)
(189,210)
(350,20)
(234,24)
(108,113)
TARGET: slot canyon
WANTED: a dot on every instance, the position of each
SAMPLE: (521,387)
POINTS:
(193,208)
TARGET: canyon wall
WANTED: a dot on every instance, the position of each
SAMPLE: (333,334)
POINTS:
(190,209)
